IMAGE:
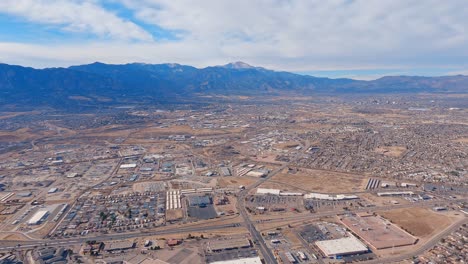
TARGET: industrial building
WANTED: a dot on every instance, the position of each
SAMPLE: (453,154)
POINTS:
(253,260)
(128,166)
(395,193)
(225,171)
(173,200)
(336,248)
(268,191)
(119,245)
(378,232)
(227,244)
(38,217)
(330,197)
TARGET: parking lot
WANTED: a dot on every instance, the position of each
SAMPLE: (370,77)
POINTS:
(323,206)
(272,202)
(207,212)
(231,254)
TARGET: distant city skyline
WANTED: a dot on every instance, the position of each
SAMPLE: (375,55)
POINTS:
(339,38)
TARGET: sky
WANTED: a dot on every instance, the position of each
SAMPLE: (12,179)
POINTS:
(361,39)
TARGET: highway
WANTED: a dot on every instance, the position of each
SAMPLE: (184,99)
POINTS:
(11,244)
(258,239)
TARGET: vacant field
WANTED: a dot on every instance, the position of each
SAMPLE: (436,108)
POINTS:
(6,115)
(23,134)
(462,140)
(320,181)
(391,151)
(234,182)
(419,222)
(181,129)
(287,145)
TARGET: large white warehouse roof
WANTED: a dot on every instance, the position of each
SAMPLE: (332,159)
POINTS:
(38,217)
(254,260)
(268,191)
(342,246)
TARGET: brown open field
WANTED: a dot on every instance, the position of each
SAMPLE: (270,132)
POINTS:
(182,129)
(287,145)
(174,214)
(319,181)
(234,182)
(392,151)
(22,134)
(420,222)
(6,115)
(462,140)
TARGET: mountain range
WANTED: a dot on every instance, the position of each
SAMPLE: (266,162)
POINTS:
(99,83)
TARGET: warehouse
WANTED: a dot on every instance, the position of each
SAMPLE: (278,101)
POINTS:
(268,191)
(227,244)
(395,193)
(119,245)
(38,217)
(253,260)
(128,166)
(330,197)
(336,248)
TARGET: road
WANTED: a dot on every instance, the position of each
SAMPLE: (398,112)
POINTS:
(8,245)
(266,252)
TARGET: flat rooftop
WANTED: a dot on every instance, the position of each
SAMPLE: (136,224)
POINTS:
(254,260)
(221,244)
(342,246)
(378,232)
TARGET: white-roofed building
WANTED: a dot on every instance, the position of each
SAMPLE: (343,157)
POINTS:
(254,260)
(268,191)
(38,217)
(330,197)
(128,166)
(342,246)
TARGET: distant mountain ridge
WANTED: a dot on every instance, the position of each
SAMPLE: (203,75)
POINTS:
(99,83)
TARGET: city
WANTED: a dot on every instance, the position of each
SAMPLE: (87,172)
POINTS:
(361,179)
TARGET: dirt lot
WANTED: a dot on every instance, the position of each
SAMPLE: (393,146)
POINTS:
(392,151)
(234,182)
(419,222)
(181,129)
(316,181)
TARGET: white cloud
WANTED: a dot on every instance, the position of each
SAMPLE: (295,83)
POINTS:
(312,32)
(299,35)
(76,16)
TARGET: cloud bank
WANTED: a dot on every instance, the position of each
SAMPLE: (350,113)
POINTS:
(300,35)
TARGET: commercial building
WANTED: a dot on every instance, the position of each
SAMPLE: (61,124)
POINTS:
(253,260)
(38,217)
(227,244)
(128,166)
(395,193)
(329,197)
(378,232)
(342,247)
(119,245)
(173,200)
(268,191)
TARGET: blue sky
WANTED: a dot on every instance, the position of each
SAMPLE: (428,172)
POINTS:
(363,39)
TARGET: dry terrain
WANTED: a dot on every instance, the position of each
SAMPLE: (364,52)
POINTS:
(391,151)
(419,222)
(318,181)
